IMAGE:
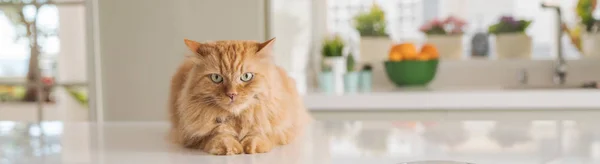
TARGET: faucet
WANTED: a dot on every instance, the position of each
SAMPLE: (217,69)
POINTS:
(560,72)
(523,77)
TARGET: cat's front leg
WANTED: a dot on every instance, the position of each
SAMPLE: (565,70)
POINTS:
(256,144)
(222,140)
(223,144)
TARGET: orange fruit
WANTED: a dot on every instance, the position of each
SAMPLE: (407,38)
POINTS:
(408,51)
(435,56)
(397,57)
(424,56)
(394,55)
(394,51)
(410,56)
(431,50)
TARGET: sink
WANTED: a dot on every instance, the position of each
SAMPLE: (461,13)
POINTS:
(548,87)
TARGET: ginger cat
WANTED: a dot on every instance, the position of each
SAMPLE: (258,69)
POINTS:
(229,98)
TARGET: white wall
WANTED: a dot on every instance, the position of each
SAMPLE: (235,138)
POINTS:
(141,44)
(72,63)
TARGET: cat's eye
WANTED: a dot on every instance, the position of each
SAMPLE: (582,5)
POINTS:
(216,78)
(247,76)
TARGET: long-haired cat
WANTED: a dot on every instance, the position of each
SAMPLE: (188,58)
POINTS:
(230,98)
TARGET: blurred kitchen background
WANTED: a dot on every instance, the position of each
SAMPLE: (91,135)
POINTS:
(111,60)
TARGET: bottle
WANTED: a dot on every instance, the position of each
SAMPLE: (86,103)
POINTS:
(480,43)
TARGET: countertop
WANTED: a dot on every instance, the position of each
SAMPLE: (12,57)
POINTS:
(484,98)
(480,141)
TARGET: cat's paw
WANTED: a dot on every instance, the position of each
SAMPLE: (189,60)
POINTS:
(223,145)
(255,144)
(285,137)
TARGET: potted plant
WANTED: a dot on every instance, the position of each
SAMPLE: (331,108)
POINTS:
(374,41)
(365,78)
(351,76)
(326,83)
(446,35)
(332,52)
(589,28)
(511,40)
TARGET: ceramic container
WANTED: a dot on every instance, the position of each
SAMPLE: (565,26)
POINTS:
(449,46)
(351,81)
(513,46)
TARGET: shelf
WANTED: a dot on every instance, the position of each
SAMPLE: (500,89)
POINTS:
(492,99)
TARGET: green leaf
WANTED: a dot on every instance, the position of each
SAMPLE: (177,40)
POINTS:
(493,29)
(585,10)
(519,26)
(371,23)
(437,30)
(333,47)
(350,62)
(78,95)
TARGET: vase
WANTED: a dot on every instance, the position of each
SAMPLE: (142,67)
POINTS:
(590,43)
(326,84)
(338,68)
(513,46)
(351,82)
(365,81)
(374,49)
(449,46)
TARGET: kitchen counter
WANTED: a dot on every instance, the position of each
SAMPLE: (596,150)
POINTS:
(404,100)
(457,99)
(514,141)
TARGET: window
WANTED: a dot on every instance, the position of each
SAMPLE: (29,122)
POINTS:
(14,49)
(341,12)
(291,24)
(405,17)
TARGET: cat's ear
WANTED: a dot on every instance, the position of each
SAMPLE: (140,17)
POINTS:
(201,49)
(192,45)
(266,48)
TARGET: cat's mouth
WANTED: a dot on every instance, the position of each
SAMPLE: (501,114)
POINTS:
(231,102)
(235,105)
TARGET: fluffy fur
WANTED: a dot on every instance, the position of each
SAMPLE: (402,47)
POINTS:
(266,111)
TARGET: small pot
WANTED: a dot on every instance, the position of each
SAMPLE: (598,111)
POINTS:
(374,49)
(513,46)
(351,82)
(365,81)
(590,42)
(449,46)
(326,82)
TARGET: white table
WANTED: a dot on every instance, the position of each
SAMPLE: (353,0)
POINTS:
(472,140)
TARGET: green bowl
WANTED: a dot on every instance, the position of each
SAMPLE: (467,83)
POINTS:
(411,73)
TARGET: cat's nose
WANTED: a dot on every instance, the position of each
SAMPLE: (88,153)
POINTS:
(231,95)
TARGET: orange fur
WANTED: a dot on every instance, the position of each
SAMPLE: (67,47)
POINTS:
(266,112)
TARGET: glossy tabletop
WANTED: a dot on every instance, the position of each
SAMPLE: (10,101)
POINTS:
(512,141)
